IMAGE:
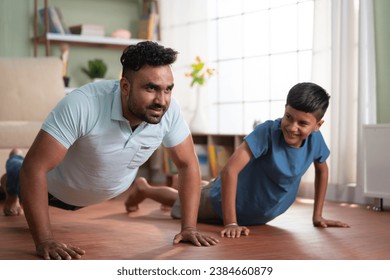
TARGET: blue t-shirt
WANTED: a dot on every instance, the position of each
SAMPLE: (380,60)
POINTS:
(268,184)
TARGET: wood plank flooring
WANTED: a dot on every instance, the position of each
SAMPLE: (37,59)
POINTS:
(106,232)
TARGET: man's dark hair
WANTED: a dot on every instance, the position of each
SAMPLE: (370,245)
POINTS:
(309,98)
(134,57)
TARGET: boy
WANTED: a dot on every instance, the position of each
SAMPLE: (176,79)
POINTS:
(262,177)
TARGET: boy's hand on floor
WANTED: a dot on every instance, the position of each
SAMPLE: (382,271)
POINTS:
(195,237)
(321,222)
(234,231)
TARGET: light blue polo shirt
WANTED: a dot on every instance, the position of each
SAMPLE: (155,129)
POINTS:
(104,154)
(268,184)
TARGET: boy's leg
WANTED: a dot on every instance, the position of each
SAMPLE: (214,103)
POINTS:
(141,189)
(206,212)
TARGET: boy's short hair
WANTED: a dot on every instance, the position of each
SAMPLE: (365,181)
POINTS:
(134,57)
(309,98)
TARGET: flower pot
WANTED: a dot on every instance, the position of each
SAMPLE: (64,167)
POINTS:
(199,122)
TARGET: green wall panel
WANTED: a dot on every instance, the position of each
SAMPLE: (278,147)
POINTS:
(16,30)
(382,49)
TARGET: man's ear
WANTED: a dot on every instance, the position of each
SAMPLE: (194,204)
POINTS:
(319,124)
(125,86)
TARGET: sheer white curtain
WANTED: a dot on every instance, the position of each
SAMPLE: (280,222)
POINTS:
(343,63)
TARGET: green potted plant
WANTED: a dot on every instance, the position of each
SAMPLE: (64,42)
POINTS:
(199,73)
(96,69)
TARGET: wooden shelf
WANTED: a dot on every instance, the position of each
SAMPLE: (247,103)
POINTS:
(88,41)
(75,40)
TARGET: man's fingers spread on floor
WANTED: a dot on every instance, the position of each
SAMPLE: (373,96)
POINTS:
(177,239)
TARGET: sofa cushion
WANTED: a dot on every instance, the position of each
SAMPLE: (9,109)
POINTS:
(29,87)
(18,133)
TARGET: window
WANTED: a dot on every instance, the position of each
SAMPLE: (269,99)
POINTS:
(260,48)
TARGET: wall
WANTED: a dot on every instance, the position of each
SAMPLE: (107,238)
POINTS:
(382,42)
(16,30)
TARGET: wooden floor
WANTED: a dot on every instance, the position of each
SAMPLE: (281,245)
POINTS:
(106,232)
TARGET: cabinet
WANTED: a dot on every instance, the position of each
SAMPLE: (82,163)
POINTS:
(87,41)
(219,148)
(376,163)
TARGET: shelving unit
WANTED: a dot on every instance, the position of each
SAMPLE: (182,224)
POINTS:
(219,149)
(87,41)
(210,143)
(233,140)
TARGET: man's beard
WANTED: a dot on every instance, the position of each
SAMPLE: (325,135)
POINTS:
(143,114)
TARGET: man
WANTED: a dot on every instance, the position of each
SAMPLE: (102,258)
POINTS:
(91,146)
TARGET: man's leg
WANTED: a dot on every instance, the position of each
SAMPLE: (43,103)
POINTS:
(141,189)
(10,183)
(3,181)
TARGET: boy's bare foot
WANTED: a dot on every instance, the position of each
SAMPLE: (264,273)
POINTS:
(136,194)
(165,208)
(12,206)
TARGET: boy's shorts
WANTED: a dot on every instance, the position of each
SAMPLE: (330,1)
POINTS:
(206,212)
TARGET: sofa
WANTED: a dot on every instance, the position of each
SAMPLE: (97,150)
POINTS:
(29,89)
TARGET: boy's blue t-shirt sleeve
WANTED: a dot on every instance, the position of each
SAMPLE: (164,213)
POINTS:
(259,140)
(323,151)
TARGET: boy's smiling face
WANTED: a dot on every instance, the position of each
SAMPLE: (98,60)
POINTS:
(298,125)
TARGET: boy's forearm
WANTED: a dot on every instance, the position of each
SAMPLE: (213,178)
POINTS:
(320,184)
(228,193)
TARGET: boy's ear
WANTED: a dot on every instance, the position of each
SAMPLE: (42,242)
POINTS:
(319,125)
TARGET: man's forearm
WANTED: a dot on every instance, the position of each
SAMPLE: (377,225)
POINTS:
(35,205)
(189,194)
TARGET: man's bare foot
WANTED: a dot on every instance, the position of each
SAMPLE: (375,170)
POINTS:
(136,194)
(12,206)
(3,182)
